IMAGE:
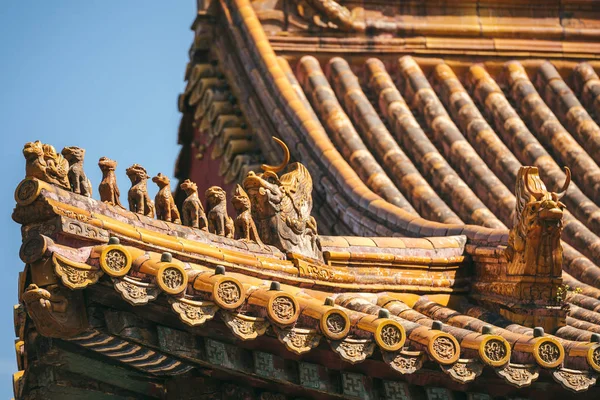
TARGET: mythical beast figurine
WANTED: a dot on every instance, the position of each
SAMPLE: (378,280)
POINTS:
(219,222)
(245,229)
(43,163)
(139,200)
(281,206)
(109,191)
(80,183)
(534,241)
(192,211)
(166,210)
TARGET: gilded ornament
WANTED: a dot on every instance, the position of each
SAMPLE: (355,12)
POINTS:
(56,311)
(464,371)
(573,380)
(335,324)
(166,210)
(283,309)
(495,350)
(593,357)
(27,191)
(534,241)
(405,362)
(390,335)
(172,278)
(219,222)
(115,260)
(192,211)
(33,248)
(444,349)
(548,352)
(228,293)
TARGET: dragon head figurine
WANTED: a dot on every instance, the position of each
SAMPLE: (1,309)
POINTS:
(281,206)
(534,241)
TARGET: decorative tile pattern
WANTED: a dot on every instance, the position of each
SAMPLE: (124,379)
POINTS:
(353,385)
(396,390)
(309,375)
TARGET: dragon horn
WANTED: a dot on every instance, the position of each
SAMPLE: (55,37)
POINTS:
(563,191)
(286,158)
(538,195)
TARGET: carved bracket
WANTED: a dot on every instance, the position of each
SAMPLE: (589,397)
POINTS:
(575,381)
(519,375)
(75,275)
(298,340)
(135,292)
(245,327)
(353,350)
(464,371)
(194,313)
(404,361)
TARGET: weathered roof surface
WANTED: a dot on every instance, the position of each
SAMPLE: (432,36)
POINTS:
(388,140)
(406,297)
(400,133)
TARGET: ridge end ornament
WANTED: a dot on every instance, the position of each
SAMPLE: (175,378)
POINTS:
(534,242)
(281,206)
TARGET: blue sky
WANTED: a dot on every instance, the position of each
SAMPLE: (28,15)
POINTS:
(102,75)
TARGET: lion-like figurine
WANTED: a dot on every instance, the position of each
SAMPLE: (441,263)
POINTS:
(281,206)
(219,222)
(245,229)
(166,210)
(139,200)
(80,183)
(534,241)
(43,163)
(109,191)
(192,210)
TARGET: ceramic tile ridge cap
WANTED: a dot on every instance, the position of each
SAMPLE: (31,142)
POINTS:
(433,242)
(130,225)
